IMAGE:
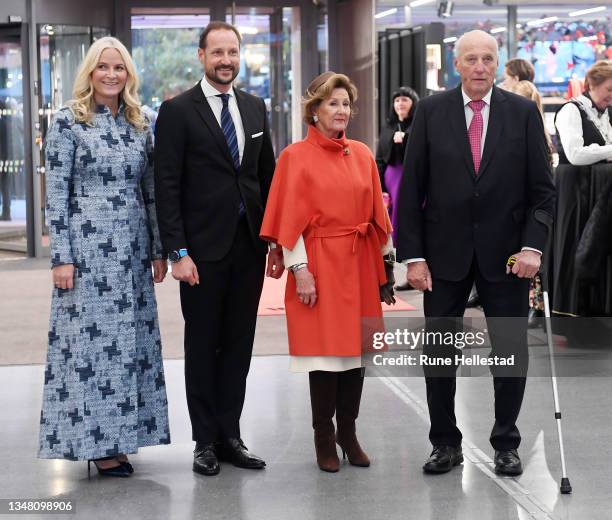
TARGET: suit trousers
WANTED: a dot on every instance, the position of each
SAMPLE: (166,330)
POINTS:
(220,316)
(507,299)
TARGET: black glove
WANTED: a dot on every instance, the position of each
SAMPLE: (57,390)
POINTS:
(386,290)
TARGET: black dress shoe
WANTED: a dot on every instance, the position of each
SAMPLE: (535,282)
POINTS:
(443,459)
(205,460)
(404,287)
(234,451)
(508,462)
(127,466)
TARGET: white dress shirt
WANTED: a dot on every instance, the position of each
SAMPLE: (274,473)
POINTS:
(216,105)
(569,125)
(469,114)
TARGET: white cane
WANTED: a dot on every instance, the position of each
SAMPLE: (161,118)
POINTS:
(544,218)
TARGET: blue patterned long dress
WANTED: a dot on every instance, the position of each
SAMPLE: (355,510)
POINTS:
(104,390)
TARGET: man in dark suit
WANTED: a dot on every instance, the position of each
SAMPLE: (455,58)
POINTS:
(213,168)
(476,176)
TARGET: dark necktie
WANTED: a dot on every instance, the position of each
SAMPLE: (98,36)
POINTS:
(229,131)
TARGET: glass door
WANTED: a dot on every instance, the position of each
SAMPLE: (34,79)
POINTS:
(270,66)
(12,144)
(61,49)
(165,51)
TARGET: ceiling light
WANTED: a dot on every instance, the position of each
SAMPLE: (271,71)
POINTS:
(451,39)
(542,21)
(445,8)
(497,30)
(247,30)
(588,11)
(386,13)
(418,3)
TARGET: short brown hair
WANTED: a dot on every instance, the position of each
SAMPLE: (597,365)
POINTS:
(521,69)
(216,26)
(599,72)
(321,88)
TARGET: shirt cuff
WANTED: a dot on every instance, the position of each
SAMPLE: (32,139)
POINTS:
(297,255)
(531,249)
(272,245)
(413,260)
(388,247)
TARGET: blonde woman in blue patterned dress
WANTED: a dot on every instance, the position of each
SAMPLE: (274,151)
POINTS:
(104,392)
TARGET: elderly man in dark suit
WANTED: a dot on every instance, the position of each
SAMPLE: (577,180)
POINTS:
(213,168)
(476,176)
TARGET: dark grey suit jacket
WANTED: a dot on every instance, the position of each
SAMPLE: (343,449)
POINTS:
(197,188)
(448,214)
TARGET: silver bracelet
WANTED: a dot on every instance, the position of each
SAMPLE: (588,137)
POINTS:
(297,267)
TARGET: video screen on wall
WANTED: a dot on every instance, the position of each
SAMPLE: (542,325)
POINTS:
(556,62)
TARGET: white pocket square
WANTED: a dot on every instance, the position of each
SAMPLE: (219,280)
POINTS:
(256,135)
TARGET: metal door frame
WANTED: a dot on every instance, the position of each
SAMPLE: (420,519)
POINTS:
(21,32)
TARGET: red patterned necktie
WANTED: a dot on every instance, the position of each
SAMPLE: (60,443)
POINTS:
(475,131)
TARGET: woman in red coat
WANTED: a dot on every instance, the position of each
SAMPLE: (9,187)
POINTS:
(325,209)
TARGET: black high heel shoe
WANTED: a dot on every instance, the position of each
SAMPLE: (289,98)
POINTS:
(116,471)
(127,466)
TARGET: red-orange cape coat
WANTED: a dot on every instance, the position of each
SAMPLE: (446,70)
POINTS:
(328,190)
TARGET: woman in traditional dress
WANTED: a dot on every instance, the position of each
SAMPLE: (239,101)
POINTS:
(326,210)
(585,169)
(104,392)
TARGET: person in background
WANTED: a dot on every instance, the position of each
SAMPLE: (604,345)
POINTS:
(104,393)
(326,210)
(527,89)
(515,70)
(391,149)
(585,133)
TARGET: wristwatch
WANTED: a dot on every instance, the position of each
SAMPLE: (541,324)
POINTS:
(176,255)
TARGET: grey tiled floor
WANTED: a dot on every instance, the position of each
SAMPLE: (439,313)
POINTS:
(276,425)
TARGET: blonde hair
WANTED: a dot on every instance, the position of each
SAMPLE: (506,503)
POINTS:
(83,104)
(527,89)
(321,89)
(599,73)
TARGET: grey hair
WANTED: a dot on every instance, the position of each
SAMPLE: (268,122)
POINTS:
(464,36)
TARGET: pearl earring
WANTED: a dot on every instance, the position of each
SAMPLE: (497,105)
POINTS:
(315,118)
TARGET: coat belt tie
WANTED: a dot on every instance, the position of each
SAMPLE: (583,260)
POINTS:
(362,232)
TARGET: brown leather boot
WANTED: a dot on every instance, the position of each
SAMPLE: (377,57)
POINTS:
(350,385)
(323,386)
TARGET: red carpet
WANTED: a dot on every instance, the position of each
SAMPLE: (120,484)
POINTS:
(272,300)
